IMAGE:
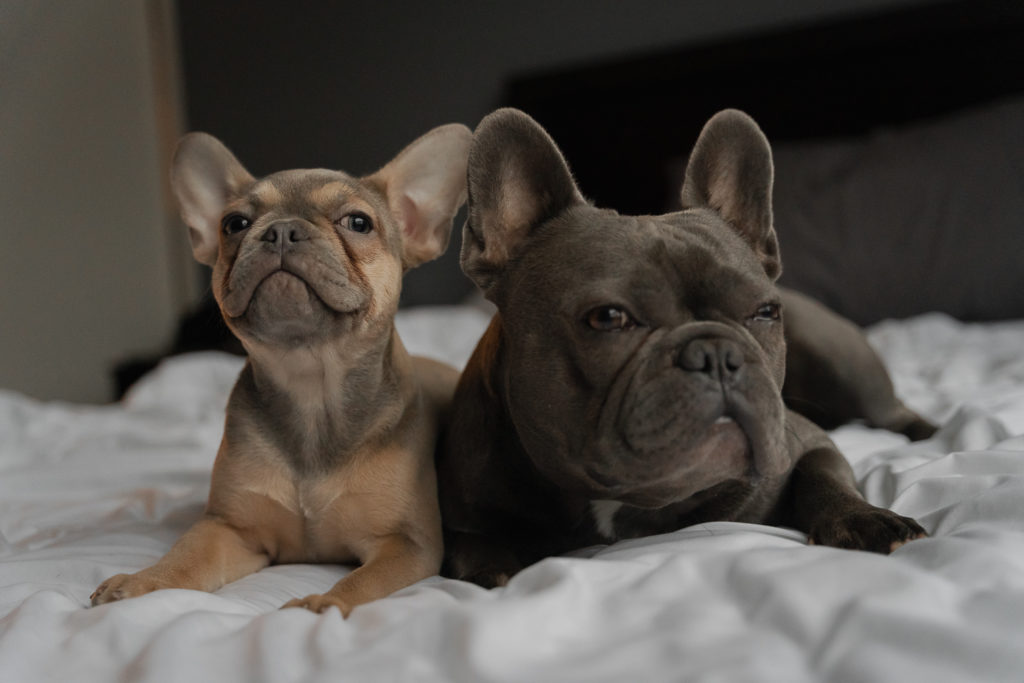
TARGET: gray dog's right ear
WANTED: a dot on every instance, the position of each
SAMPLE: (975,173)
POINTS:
(205,176)
(517,180)
(730,171)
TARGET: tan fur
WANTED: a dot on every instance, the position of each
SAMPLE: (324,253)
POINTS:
(479,368)
(266,193)
(383,276)
(379,508)
(328,448)
(380,490)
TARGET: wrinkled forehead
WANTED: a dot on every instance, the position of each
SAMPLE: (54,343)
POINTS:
(700,241)
(298,190)
(686,252)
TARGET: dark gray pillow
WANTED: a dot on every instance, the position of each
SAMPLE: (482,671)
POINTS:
(909,220)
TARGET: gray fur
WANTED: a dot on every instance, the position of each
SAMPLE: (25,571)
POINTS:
(679,416)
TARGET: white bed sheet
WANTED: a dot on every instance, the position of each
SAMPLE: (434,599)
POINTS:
(86,492)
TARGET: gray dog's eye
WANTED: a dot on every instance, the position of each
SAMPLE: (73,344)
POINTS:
(235,223)
(768,312)
(610,319)
(357,222)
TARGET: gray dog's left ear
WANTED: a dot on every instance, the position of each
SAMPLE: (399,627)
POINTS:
(205,176)
(730,171)
(425,186)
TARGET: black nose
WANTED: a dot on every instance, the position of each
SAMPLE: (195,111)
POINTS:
(721,359)
(285,233)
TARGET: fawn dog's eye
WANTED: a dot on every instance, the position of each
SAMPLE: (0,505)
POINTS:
(357,222)
(235,223)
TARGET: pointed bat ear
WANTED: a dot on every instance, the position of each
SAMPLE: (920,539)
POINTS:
(730,171)
(205,177)
(425,187)
(517,180)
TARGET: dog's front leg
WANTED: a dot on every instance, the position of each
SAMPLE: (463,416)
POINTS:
(823,502)
(209,555)
(394,562)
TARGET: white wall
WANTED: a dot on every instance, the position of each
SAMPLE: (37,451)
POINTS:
(86,276)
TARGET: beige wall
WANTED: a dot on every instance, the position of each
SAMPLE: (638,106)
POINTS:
(87,275)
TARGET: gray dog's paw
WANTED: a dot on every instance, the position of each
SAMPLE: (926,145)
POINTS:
(490,574)
(488,578)
(479,560)
(919,429)
(866,528)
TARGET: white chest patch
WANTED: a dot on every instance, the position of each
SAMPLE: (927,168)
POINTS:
(604,516)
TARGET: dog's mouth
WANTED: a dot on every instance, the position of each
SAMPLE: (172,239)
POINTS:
(668,433)
(284,308)
(280,299)
(725,451)
(286,293)
(286,289)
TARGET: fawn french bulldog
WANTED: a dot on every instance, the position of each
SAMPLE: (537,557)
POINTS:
(330,435)
(631,382)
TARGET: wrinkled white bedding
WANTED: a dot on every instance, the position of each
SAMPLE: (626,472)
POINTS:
(86,492)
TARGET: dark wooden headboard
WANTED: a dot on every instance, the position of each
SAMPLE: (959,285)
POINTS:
(620,123)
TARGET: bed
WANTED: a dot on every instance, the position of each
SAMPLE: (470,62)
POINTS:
(90,491)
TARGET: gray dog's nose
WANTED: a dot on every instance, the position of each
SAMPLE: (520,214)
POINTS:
(719,358)
(285,233)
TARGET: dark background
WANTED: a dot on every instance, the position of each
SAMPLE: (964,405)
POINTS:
(620,85)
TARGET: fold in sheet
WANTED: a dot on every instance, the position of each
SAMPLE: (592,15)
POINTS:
(86,492)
